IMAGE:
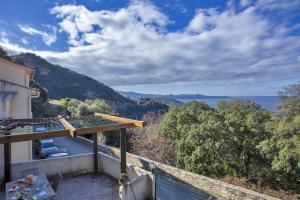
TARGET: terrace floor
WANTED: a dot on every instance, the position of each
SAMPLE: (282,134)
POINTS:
(88,187)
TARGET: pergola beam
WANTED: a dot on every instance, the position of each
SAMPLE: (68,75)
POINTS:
(123,150)
(136,123)
(68,126)
(7,162)
(95,148)
(104,128)
(122,124)
(7,139)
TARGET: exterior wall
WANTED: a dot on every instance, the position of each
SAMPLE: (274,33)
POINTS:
(16,79)
(140,188)
(15,74)
(19,106)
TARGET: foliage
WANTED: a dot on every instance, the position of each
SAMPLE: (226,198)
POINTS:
(123,179)
(3,54)
(283,147)
(238,139)
(146,143)
(87,107)
(63,103)
(291,99)
(64,83)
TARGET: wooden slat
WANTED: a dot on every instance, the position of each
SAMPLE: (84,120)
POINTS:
(110,127)
(123,150)
(95,147)
(32,136)
(67,125)
(7,162)
(137,123)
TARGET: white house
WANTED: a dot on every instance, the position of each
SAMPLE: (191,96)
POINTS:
(15,102)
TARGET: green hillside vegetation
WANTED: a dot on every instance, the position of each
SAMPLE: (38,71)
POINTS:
(64,83)
(75,107)
(57,82)
(238,141)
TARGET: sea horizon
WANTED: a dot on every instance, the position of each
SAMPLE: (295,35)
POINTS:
(266,102)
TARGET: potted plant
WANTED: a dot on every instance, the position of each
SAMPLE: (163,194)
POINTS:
(123,180)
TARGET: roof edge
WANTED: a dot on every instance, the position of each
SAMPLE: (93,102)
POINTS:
(17,65)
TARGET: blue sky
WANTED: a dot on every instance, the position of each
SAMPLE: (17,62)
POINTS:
(214,47)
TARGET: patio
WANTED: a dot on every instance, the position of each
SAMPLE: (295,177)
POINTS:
(95,187)
(86,176)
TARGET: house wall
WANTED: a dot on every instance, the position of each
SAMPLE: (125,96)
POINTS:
(15,74)
(16,79)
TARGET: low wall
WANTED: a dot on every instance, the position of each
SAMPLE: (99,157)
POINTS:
(217,188)
(141,180)
(137,189)
(81,164)
(66,165)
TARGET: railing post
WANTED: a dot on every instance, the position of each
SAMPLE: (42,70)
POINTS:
(123,150)
(95,147)
(7,162)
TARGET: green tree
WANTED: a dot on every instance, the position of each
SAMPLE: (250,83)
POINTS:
(282,149)
(88,107)
(3,54)
(218,142)
(246,124)
(290,96)
(63,103)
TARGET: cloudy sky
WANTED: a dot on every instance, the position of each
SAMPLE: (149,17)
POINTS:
(213,47)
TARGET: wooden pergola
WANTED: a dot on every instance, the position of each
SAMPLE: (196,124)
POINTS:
(64,126)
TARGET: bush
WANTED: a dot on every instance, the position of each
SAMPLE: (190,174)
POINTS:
(88,107)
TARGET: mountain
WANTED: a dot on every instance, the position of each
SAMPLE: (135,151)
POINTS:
(135,95)
(64,83)
(61,83)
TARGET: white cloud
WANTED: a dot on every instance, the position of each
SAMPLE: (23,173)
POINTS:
(131,46)
(47,38)
(24,41)
(245,3)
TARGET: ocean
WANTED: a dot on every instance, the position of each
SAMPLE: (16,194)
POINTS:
(266,102)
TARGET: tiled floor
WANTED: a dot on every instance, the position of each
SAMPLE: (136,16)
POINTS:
(88,187)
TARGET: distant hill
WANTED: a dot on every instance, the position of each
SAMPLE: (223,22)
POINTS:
(135,95)
(61,83)
(168,101)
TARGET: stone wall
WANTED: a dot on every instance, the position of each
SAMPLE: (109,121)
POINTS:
(217,188)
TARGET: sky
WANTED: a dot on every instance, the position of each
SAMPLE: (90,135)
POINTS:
(212,47)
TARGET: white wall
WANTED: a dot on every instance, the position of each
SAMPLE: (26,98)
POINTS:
(15,74)
(18,107)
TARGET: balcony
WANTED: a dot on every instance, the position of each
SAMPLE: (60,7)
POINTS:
(96,175)
(80,181)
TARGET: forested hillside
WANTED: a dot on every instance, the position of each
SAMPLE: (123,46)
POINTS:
(238,142)
(64,83)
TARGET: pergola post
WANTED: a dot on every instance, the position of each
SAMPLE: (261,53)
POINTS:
(123,150)
(95,147)
(7,162)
